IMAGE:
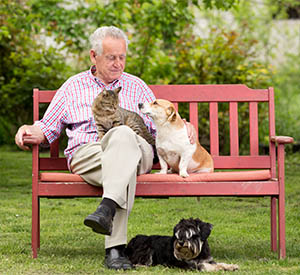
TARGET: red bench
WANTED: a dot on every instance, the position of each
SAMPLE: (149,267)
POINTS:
(253,174)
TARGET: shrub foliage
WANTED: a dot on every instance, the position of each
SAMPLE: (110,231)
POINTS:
(163,48)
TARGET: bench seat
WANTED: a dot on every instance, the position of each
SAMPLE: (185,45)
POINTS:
(199,177)
(243,183)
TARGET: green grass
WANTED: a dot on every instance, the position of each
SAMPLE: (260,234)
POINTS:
(241,232)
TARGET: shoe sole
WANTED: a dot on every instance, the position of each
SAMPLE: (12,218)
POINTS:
(121,265)
(97,224)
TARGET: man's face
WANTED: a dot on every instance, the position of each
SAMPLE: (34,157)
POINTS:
(111,63)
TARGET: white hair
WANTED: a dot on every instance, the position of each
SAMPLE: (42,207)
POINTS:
(99,34)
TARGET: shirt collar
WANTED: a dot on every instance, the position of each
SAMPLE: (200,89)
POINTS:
(100,82)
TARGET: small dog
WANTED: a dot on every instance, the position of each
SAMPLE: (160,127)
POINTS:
(187,248)
(172,142)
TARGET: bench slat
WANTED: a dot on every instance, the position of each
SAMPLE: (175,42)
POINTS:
(242,162)
(214,128)
(54,149)
(159,189)
(194,115)
(234,128)
(253,128)
(272,131)
(44,96)
(209,93)
(207,189)
(51,164)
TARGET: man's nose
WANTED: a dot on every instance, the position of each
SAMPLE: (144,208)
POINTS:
(118,62)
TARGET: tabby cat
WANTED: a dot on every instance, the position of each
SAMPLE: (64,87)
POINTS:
(108,114)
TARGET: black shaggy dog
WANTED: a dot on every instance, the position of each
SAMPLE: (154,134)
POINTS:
(187,248)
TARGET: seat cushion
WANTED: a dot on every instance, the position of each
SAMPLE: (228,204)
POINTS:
(253,175)
(201,177)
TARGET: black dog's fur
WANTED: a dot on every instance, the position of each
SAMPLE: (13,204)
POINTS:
(172,251)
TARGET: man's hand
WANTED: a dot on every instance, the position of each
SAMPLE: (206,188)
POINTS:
(190,131)
(29,134)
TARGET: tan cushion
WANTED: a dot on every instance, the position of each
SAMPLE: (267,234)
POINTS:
(204,177)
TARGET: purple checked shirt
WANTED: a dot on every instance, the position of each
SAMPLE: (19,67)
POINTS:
(71,107)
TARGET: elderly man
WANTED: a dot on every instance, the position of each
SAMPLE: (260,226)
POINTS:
(112,162)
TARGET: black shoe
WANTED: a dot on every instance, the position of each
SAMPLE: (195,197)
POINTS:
(101,220)
(115,259)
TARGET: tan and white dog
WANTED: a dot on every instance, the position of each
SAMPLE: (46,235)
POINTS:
(172,141)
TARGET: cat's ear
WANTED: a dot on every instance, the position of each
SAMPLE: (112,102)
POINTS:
(117,90)
(104,91)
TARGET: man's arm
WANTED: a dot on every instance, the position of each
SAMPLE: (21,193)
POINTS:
(48,128)
(29,134)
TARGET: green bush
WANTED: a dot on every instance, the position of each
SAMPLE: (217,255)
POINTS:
(287,97)
(25,64)
(163,49)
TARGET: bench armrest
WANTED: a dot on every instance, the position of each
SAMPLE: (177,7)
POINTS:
(282,139)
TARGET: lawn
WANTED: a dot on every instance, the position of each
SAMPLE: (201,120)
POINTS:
(241,232)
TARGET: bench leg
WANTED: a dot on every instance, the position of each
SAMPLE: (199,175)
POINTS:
(273,224)
(35,230)
(38,233)
(281,222)
(281,203)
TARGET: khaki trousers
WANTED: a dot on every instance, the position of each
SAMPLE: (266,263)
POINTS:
(114,164)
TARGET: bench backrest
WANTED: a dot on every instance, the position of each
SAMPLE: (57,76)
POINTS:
(194,95)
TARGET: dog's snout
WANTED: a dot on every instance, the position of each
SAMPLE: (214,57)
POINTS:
(181,242)
(140,105)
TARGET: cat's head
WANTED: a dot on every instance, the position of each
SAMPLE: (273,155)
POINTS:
(108,99)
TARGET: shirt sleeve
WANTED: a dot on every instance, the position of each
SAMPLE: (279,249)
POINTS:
(54,118)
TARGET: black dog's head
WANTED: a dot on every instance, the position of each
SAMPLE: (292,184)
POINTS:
(190,234)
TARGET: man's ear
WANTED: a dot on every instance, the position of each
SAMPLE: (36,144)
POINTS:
(171,113)
(93,56)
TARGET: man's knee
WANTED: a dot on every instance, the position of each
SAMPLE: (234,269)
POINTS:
(124,130)
(122,134)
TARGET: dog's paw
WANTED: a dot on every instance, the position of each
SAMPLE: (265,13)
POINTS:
(171,171)
(162,172)
(183,174)
(217,267)
(227,267)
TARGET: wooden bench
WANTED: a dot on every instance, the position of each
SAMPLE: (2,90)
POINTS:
(253,174)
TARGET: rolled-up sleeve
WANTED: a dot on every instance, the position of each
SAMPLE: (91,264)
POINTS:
(54,118)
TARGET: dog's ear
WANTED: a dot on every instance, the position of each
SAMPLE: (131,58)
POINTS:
(205,230)
(171,113)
